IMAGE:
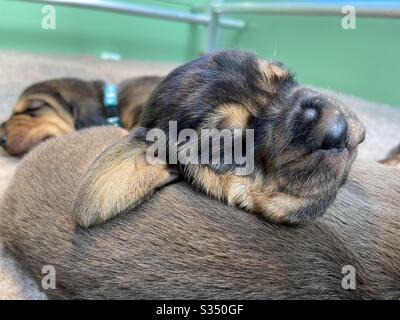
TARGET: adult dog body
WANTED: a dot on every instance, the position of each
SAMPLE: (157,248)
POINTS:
(181,244)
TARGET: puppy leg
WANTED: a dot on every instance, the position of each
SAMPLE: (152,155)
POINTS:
(119,179)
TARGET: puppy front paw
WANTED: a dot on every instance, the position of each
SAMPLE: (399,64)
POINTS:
(118,180)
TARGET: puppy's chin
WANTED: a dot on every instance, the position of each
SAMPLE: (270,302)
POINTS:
(324,173)
(335,161)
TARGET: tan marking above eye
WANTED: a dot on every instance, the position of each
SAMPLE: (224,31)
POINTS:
(21,105)
(228,116)
(24,102)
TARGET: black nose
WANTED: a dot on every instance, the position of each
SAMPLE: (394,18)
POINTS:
(336,134)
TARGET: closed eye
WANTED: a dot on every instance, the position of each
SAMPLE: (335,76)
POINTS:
(33,108)
(32,111)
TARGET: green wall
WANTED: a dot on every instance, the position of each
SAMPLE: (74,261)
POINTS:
(363,62)
(81,31)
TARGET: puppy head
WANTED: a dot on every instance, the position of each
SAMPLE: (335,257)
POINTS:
(304,141)
(49,109)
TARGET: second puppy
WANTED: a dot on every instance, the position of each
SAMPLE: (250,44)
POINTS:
(59,106)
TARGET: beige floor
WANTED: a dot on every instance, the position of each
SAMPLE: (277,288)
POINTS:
(18,70)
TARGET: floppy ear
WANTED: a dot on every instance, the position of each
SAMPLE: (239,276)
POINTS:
(87,110)
(118,180)
(84,102)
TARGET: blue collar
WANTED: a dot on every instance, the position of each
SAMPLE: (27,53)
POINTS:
(110,102)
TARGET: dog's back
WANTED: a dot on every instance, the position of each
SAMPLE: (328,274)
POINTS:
(180,244)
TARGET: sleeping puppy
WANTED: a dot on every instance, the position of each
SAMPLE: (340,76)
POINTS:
(304,143)
(55,107)
(393,158)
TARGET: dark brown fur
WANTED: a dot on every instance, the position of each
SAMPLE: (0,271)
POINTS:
(55,107)
(295,178)
(183,245)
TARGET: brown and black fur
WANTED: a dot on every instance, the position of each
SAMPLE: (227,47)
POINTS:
(295,178)
(59,106)
(180,244)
